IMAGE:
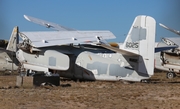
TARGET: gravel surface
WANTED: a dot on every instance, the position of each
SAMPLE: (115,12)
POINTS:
(159,93)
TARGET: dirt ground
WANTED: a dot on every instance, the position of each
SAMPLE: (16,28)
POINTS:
(160,93)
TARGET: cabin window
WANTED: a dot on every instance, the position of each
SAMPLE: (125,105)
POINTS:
(52,61)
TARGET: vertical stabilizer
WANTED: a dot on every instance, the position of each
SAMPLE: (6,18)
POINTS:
(13,41)
(141,40)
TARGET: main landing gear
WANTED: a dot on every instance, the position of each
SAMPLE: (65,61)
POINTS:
(170,75)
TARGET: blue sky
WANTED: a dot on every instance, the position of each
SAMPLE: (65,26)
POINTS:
(114,15)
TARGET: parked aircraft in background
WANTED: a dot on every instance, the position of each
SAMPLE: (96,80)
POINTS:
(169,60)
(8,61)
(85,55)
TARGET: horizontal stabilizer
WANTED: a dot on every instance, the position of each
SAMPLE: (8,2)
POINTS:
(52,38)
(47,24)
(159,49)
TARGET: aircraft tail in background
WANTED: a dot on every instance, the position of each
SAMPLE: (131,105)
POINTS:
(13,41)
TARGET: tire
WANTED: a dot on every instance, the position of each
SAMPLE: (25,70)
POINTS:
(170,75)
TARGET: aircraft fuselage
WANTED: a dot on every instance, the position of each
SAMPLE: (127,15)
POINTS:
(84,62)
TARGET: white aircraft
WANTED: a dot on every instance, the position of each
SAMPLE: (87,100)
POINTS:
(85,55)
(169,60)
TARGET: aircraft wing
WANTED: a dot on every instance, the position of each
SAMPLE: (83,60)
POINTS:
(172,30)
(118,50)
(47,24)
(52,38)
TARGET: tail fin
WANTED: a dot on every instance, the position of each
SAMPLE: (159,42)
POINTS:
(141,40)
(13,41)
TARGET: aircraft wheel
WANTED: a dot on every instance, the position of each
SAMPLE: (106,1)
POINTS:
(170,75)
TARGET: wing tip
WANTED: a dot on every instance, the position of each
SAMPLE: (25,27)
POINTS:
(26,17)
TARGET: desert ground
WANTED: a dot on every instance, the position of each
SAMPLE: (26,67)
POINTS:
(159,93)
